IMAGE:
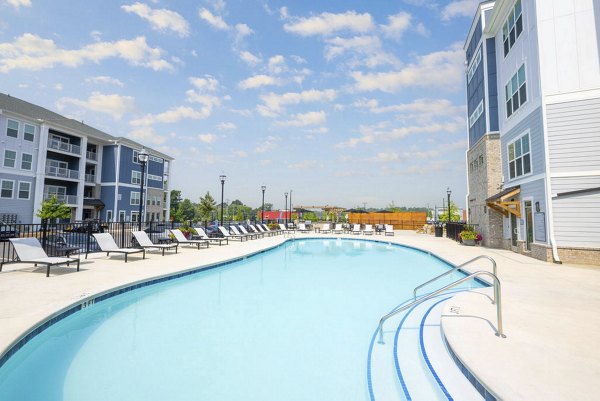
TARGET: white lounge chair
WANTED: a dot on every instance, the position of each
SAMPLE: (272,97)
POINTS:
(368,229)
(326,228)
(243,231)
(355,229)
(146,243)
(254,230)
(269,231)
(284,230)
(389,229)
(235,237)
(302,228)
(181,239)
(107,244)
(338,229)
(202,235)
(29,250)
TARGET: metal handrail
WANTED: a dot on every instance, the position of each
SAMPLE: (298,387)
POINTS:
(497,301)
(456,268)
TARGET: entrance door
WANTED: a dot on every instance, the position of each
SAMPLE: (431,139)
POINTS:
(529,224)
(514,233)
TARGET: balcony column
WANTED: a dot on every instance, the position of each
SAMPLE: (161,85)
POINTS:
(40,171)
(81,181)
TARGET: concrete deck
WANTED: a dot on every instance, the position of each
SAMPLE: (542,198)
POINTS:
(551,316)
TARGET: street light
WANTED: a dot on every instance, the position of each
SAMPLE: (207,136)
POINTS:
(222,178)
(291,205)
(143,159)
(448,192)
(284,210)
(262,214)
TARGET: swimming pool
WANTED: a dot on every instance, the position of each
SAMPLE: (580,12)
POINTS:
(292,323)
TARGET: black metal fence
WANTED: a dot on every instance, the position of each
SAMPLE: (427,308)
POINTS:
(453,229)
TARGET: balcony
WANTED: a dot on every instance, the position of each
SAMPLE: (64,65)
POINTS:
(91,155)
(62,172)
(90,178)
(64,147)
(68,199)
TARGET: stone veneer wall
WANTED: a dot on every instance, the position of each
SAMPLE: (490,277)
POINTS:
(484,181)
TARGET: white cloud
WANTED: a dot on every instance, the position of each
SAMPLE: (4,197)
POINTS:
(368,48)
(249,58)
(328,23)
(58,86)
(422,30)
(114,105)
(148,135)
(160,19)
(171,116)
(240,153)
(305,119)
(213,20)
(277,64)
(226,126)
(283,13)
(257,81)
(268,144)
(460,8)
(207,83)
(274,103)
(103,79)
(443,69)
(218,5)
(419,107)
(241,31)
(303,165)
(31,52)
(19,3)
(397,25)
(207,138)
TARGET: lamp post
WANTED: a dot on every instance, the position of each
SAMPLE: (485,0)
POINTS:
(143,159)
(222,178)
(448,192)
(291,209)
(262,213)
(284,210)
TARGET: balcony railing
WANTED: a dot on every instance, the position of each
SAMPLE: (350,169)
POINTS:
(68,199)
(91,155)
(90,178)
(62,172)
(64,146)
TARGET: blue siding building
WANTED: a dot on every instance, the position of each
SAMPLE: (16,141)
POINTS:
(44,155)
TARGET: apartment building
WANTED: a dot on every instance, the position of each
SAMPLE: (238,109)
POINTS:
(547,81)
(44,154)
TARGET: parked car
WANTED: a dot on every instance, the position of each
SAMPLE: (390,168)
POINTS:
(61,244)
(82,227)
(7,231)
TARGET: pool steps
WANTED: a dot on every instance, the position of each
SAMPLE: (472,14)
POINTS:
(414,363)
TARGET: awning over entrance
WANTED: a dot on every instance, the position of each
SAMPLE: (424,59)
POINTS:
(501,202)
(97,203)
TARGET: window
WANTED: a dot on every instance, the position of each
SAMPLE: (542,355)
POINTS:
(29,132)
(10,158)
(519,157)
(134,198)
(121,215)
(474,64)
(134,216)
(512,27)
(54,190)
(515,92)
(26,161)
(154,177)
(135,157)
(136,177)
(156,159)
(476,114)
(12,129)
(6,189)
(480,160)
(109,215)
(24,189)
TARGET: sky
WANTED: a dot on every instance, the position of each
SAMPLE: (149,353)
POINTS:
(344,102)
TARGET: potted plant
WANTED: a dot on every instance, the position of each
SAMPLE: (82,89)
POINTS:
(469,237)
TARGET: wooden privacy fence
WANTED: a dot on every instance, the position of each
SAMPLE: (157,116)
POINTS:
(400,220)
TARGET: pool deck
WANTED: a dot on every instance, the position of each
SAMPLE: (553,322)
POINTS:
(551,312)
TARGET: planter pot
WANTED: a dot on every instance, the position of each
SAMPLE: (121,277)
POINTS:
(469,242)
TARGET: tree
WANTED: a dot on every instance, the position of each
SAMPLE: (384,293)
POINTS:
(52,209)
(268,207)
(186,210)
(175,196)
(206,206)
(454,215)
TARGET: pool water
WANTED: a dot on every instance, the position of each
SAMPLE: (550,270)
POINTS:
(293,323)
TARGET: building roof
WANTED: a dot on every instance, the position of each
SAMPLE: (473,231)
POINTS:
(44,116)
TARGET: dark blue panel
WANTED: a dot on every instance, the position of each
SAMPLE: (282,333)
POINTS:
(108,164)
(107,195)
(474,42)
(492,83)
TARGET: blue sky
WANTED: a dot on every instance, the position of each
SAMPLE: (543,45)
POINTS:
(343,102)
